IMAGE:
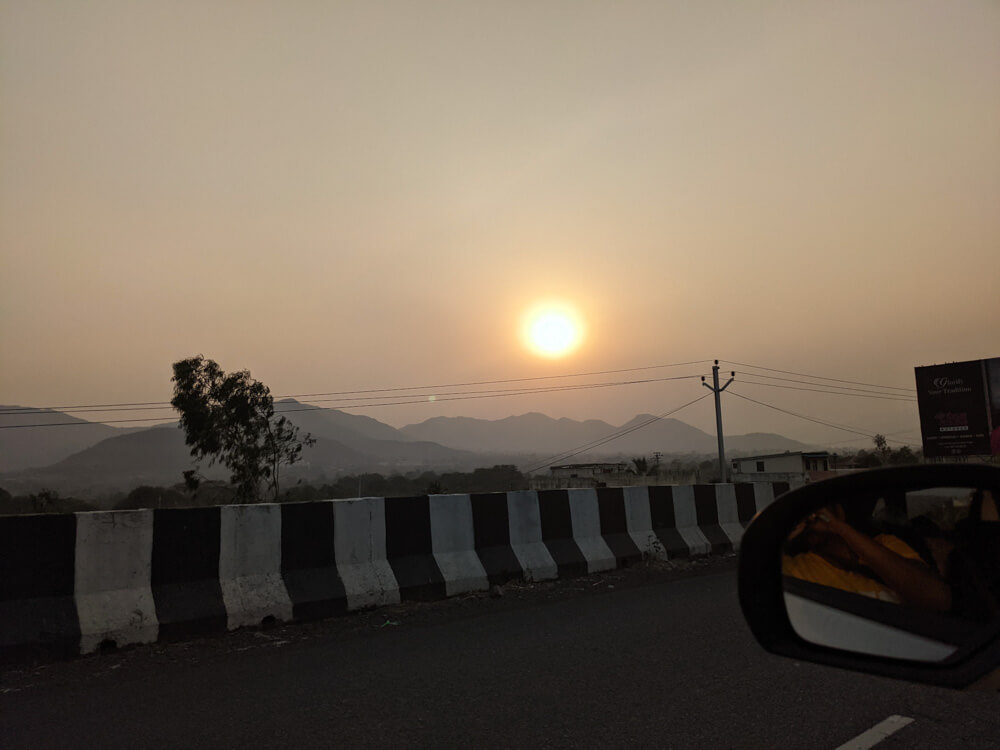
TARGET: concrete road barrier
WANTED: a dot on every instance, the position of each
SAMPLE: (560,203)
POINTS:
(113,578)
(360,552)
(308,561)
(409,549)
(527,538)
(491,529)
(37,576)
(73,583)
(250,565)
(184,572)
(453,544)
(613,517)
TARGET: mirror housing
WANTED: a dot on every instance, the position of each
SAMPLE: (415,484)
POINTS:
(850,631)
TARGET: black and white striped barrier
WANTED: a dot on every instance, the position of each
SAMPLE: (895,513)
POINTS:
(70,583)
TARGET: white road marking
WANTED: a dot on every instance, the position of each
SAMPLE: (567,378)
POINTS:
(877,733)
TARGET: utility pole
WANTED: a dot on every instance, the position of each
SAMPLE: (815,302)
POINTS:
(714,388)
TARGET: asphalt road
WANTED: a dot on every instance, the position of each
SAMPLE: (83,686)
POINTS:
(650,658)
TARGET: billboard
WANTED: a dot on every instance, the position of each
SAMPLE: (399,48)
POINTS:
(959,406)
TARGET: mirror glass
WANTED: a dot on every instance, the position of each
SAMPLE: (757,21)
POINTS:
(906,574)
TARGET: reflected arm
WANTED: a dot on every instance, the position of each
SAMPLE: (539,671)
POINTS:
(913,581)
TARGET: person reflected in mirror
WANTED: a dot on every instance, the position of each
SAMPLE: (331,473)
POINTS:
(826,549)
(974,565)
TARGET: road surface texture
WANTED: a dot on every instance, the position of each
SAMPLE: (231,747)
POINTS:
(652,657)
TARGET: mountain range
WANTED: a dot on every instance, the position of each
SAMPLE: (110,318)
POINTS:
(23,447)
(90,458)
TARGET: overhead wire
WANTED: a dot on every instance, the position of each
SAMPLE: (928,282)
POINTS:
(610,438)
(423,399)
(166,404)
(848,390)
(835,426)
(358,399)
(835,393)
(503,391)
(436,394)
(819,377)
(884,434)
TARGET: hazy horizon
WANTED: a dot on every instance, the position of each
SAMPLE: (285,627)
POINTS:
(354,196)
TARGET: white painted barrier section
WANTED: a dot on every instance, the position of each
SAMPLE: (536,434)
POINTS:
(114,601)
(639,521)
(453,542)
(525,522)
(359,543)
(729,516)
(763,495)
(686,518)
(586,518)
(250,565)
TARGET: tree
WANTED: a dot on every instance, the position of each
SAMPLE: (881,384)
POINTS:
(882,447)
(903,455)
(641,465)
(229,418)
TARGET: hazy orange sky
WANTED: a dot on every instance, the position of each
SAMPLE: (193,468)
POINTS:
(342,196)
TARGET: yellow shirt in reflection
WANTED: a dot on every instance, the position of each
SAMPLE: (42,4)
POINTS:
(810,566)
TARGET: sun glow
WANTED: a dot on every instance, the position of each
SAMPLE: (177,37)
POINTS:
(553,330)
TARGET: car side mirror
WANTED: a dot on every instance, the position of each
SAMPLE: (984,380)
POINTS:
(893,572)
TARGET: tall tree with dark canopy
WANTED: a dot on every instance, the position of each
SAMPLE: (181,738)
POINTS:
(229,418)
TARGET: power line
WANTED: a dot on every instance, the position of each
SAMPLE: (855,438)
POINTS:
(436,395)
(425,398)
(820,377)
(835,393)
(614,436)
(810,419)
(823,385)
(163,420)
(885,434)
(43,409)
(497,382)
(166,404)
(550,389)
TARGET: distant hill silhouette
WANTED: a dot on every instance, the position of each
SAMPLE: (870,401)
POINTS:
(335,424)
(537,433)
(153,456)
(159,456)
(116,460)
(377,441)
(26,447)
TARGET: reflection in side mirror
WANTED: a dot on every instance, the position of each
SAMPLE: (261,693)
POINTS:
(910,573)
(830,626)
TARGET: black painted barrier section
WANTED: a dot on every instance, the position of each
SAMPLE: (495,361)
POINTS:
(664,521)
(37,605)
(707,511)
(491,527)
(308,561)
(185,572)
(614,526)
(746,503)
(557,533)
(409,548)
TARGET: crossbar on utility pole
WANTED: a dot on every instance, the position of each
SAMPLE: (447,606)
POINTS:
(718,414)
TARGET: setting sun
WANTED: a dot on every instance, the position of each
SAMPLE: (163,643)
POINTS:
(553,330)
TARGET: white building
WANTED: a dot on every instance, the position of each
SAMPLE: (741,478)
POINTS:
(795,468)
(585,475)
